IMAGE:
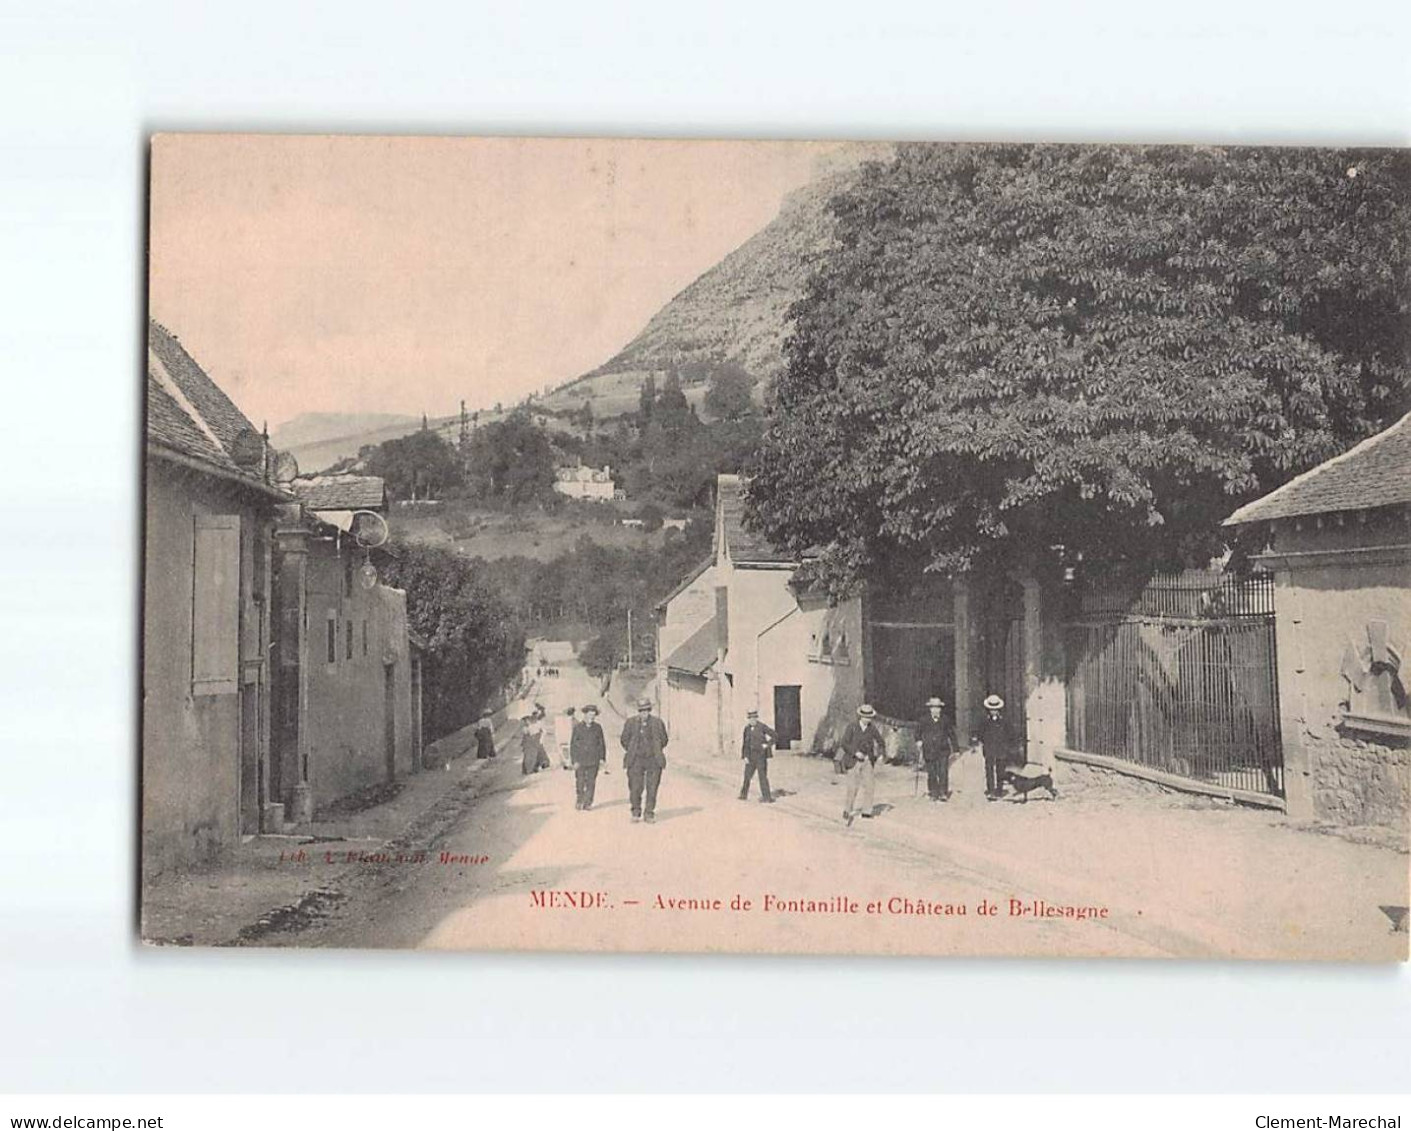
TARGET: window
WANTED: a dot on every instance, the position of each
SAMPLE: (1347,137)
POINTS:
(215,605)
(348,639)
(332,639)
(348,576)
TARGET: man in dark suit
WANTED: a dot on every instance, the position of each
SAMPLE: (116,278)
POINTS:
(994,741)
(587,750)
(755,749)
(857,757)
(644,741)
(937,742)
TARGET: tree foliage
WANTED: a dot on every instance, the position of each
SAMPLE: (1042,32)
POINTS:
(728,394)
(421,465)
(593,586)
(475,643)
(1014,347)
(511,462)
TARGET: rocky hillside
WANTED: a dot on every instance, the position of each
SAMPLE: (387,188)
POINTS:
(737,311)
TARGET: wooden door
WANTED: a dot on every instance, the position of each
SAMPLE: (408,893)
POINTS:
(788,715)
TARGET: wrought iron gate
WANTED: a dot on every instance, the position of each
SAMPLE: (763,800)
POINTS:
(1179,676)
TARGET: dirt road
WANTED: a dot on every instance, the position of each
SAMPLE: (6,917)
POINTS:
(519,867)
(506,862)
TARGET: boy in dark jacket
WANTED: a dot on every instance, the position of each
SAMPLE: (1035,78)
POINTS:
(587,750)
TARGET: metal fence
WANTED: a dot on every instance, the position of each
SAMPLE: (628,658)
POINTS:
(1178,675)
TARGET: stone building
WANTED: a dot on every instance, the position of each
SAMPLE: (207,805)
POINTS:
(277,672)
(209,513)
(347,680)
(1338,541)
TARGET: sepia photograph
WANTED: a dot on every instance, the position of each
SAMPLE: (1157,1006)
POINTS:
(776,547)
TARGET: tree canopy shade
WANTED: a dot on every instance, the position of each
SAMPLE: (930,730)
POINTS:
(1108,348)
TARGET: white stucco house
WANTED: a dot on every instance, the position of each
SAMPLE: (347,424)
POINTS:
(591,483)
(740,633)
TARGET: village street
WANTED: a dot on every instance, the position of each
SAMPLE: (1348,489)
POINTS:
(512,865)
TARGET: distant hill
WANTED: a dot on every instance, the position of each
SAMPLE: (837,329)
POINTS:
(317,427)
(318,439)
(736,312)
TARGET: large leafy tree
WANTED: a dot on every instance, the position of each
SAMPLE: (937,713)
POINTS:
(474,640)
(511,462)
(420,466)
(1014,347)
(728,396)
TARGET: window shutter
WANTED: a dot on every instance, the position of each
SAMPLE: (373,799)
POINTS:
(215,605)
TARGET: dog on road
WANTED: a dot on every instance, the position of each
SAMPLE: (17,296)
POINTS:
(1023,780)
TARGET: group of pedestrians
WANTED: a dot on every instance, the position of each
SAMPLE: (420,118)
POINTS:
(863,745)
(583,748)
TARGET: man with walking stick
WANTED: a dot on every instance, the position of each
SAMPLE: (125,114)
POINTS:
(857,757)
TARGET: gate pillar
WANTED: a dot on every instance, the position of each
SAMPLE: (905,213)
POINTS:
(1045,703)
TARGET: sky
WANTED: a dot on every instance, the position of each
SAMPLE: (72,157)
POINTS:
(400,275)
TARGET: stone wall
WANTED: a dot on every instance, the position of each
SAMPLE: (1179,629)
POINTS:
(1335,585)
(1359,782)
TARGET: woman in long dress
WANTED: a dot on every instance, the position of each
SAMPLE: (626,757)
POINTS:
(485,737)
(535,758)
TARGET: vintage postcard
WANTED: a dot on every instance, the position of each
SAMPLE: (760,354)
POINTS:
(777,547)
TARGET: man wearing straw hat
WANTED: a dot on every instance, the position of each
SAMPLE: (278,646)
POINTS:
(994,741)
(857,757)
(937,742)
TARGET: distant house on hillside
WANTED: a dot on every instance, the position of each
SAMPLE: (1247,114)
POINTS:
(1338,541)
(578,482)
(763,643)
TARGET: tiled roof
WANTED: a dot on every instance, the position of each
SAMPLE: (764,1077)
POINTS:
(744,546)
(216,410)
(1376,473)
(188,415)
(697,652)
(169,425)
(341,492)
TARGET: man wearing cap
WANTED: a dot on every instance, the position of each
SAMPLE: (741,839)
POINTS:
(937,742)
(644,741)
(588,750)
(755,747)
(857,757)
(994,740)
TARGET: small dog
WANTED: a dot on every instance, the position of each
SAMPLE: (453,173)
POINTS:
(1025,779)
